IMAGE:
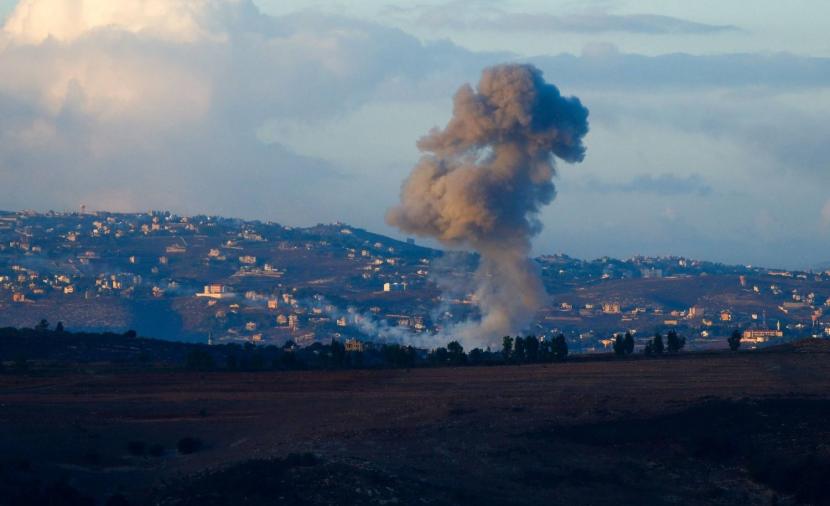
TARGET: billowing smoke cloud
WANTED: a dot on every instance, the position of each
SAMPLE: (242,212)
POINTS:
(482,181)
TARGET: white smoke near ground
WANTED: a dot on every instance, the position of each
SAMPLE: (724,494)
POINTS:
(482,181)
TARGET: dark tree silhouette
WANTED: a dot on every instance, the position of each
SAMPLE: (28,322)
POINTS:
(560,347)
(675,342)
(476,356)
(59,328)
(532,348)
(42,326)
(338,353)
(546,350)
(507,348)
(519,349)
(456,353)
(657,344)
(735,340)
(628,341)
(200,360)
(619,345)
(439,356)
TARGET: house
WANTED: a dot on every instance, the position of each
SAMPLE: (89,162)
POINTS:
(611,308)
(695,312)
(247,260)
(215,291)
(353,345)
(18,297)
(760,335)
(726,315)
(394,287)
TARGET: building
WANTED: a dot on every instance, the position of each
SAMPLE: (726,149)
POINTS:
(18,297)
(293,322)
(611,308)
(215,291)
(394,287)
(353,345)
(272,304)
(757,336)
(651,273)
(247,260)
(695,312)
(726,316)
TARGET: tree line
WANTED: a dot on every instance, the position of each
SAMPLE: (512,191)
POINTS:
(18,346)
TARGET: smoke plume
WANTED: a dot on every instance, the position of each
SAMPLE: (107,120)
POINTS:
(481,183)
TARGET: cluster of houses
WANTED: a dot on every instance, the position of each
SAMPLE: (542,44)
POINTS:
(260,281)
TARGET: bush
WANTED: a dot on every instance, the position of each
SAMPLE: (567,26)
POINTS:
(188,445)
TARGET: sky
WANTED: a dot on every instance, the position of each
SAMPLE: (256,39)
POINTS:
(708,119)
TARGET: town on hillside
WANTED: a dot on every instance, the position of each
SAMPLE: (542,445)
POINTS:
(219,280)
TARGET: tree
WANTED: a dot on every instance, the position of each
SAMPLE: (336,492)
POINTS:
(200,360)
(532,348)
(131,334)
(338,353)
(439,356)
(657,344)
(546,350)
(476,356)
(507,348)
(648,350)
(519,349)
(619,345)
(560,347)
(675,342)
(456,353)
(42,326)
(735,340)
(628,341)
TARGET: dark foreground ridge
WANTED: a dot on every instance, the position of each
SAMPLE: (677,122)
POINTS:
(694,428)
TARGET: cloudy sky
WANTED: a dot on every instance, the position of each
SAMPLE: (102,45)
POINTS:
(708,138)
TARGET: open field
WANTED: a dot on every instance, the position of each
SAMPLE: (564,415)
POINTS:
(691,429)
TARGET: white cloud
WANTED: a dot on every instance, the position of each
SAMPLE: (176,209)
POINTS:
(157,103)
(66,20)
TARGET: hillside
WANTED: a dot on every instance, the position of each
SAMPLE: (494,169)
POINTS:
(155,272)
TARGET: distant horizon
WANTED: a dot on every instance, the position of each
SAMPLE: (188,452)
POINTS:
(426,243)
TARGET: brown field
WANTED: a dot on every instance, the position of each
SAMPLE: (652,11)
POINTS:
(637,431)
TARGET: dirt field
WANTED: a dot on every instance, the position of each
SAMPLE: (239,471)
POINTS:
(694,429)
